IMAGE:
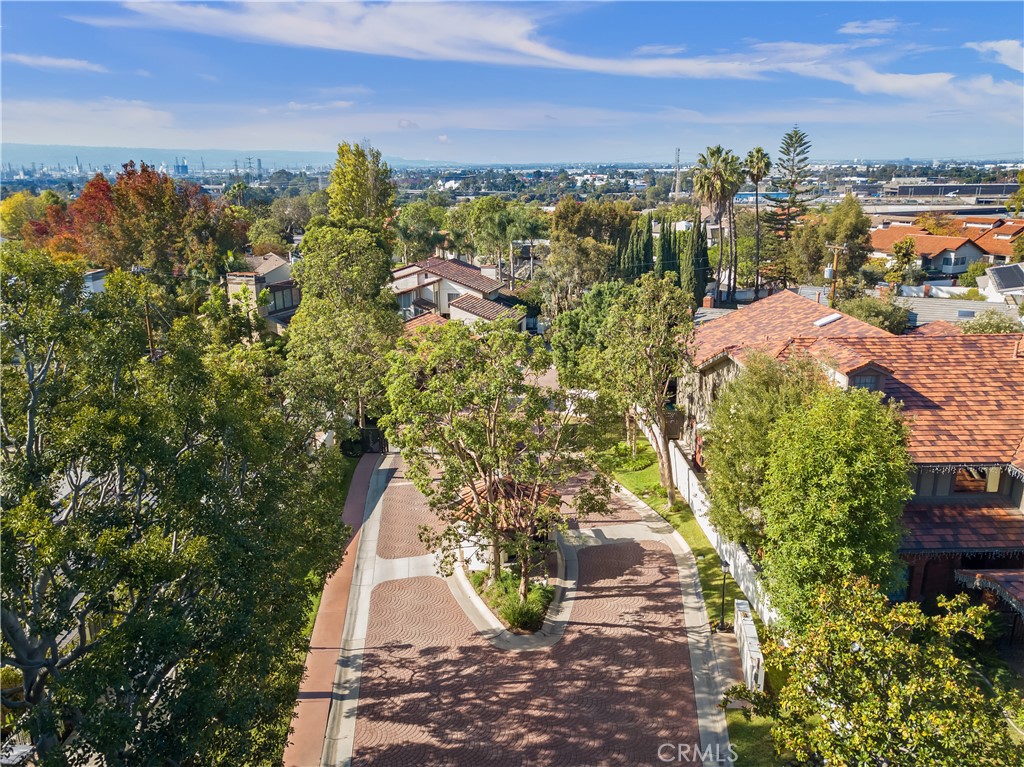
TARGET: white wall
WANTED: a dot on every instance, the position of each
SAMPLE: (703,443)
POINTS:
(740,565)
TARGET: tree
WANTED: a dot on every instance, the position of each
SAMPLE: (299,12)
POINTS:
(419,230)
(711,188)
(849,227)
(939,223)
(991,321)
(1016,200)
(573,266)
(758,164)
(265,237)
(462,406)
(291,214)
(793,164)
(904,256)
(361,192)
(577,337)
(161,521)
(871,682)
(344,326)
(738,442)
(885,314)
(975,269)
(834,495)
(647,334)
(488,221)
(16,211)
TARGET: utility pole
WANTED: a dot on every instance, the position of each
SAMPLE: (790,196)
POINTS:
(836,249)
(677,183)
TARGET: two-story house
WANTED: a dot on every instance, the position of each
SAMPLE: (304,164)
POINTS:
(452,289)
(963,399)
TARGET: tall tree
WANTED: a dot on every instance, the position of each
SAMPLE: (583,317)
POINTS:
(463,406)
(873,683)
(710,188)
(573,266)
(362,192)
(848,226)
(739,440)
(758,165)
(158,530)
(833,500)
(647,334)
(904,256)
(793,164)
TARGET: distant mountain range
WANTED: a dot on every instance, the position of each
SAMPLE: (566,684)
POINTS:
(218,159)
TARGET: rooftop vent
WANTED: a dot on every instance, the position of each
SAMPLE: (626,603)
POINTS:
(828,320)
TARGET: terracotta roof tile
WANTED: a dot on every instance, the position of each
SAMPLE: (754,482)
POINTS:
(1009,584)
(422,321)
(962,528)
(882,240)
(962,395)
(999,242)
(937,328)
(772,322)
(483,307)
(461,274)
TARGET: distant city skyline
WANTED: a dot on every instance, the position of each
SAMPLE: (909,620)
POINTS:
(519,83)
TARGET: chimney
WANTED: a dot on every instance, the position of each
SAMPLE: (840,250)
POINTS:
(927,291)
(709,302)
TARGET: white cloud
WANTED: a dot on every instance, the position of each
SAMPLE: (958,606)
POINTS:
(298,106)
(405,124)
(443,139)
(1008,52)
(657,49)
(50,62)
(872,27)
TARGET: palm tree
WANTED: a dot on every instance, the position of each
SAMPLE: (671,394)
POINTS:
(709,188)
(734,176)
(758,165)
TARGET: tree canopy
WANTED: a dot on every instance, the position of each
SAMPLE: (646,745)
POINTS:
(871,682)
(836,483)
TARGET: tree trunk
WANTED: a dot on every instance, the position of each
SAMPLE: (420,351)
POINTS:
(665,467)
(757,242)
(495,557)
(524,575)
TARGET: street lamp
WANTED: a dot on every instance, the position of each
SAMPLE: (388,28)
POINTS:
(725,571)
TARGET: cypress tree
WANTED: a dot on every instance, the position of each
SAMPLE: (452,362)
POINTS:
(647,264)
(687,274)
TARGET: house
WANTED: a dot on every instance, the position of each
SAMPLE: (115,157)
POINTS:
(272,267)
(962,399)
(283,297)
(925,310)
(998,242)
(944,255)
(95,280)
(1003,283)
(452,289)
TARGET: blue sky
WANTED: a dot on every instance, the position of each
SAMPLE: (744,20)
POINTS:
(519,82)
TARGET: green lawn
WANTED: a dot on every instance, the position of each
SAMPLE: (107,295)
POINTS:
(752,739)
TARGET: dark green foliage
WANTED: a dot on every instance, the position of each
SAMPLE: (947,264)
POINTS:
(888,315)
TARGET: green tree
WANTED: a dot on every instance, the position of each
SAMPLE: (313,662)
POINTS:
(348,264)
(291,214)
(158,534)
(265,237)
(1015,202)
(991,321)
(739,440)
(885,314)
(647,332)
(573,266)
(758,164)
(833,500)
(849,227)
(975,269)
(489,222)
(871,682)
(577,336)
(794,167)
(361,192)
(711,186)
(485,445)
(904,257)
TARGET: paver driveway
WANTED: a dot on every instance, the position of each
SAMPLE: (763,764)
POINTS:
(611,691)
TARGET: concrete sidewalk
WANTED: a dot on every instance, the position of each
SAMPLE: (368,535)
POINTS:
(309,721)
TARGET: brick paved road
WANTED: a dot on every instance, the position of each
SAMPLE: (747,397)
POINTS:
(434,692)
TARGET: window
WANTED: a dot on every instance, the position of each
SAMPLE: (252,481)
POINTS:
(976,481)
(405,300)
(453,297)
(954,260)
(867,381)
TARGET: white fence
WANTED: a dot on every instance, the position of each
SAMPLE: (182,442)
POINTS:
(742,569)
(751,658)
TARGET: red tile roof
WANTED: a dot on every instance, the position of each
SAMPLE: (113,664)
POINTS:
(841,357)
(772,322)
(936,328)
(962,528)
(461,274)
(999,242)
(1008,584)
(422,321)
(963,396)
(483,307)
(882,240)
